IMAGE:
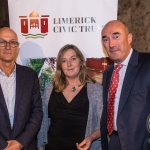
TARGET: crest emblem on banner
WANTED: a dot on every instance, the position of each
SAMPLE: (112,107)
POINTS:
(34,21)
(148,123)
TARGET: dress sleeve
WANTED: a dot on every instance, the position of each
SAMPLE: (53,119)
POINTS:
(42,138)
(99,104)
(94,92)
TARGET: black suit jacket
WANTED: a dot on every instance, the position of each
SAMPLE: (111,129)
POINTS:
(134,104)
(28,110)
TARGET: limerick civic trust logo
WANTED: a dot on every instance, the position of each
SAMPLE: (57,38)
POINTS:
(34,26)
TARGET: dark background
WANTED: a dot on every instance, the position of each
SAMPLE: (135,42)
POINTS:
(4,18)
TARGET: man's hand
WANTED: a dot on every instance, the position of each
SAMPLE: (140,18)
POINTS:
(40,148)
(13,145)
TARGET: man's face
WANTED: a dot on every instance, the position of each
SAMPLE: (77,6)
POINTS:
(9,52)
(116,40)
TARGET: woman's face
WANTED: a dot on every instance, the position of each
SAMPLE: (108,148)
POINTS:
(70,64)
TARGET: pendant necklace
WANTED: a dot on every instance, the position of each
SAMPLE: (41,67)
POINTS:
(73,89)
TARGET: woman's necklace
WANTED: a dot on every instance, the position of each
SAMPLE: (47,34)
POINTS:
(73,89)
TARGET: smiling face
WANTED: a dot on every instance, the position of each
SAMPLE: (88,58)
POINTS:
(116,40)
(8,54)
(70,64)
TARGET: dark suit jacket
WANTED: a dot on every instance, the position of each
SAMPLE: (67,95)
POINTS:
(28,110)
(134,105)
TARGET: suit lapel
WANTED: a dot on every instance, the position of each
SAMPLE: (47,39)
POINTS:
(129,79)
(19,88)
(107,83)
(107,80)
(3,105)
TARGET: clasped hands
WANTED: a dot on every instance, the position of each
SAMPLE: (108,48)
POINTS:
(13,145)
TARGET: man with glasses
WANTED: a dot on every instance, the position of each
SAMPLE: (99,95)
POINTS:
(20,100)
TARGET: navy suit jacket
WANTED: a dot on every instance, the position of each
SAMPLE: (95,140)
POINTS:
(28,110)
(134,107)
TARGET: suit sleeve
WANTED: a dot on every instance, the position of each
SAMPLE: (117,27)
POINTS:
(34,122)
(3,142)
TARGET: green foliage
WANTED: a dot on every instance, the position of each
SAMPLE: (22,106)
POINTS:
(36,64)
(46,77)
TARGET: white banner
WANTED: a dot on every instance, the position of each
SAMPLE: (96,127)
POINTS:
(44,26)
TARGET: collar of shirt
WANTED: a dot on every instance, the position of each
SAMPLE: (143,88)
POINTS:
(126,61)
(1,72)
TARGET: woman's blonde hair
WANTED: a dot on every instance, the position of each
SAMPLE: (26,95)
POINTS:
(59,81)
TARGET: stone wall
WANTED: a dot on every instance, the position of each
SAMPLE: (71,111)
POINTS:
(136,14)
(4,19)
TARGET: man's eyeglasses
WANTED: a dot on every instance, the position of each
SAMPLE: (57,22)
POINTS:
(13,44)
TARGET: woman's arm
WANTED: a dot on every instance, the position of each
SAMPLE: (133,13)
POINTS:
(42,135)
(94,92)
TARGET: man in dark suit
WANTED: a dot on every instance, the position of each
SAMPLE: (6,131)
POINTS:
(130,107)
(20,101)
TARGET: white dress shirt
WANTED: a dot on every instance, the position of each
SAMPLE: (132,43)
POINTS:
(8,85)
(122,72)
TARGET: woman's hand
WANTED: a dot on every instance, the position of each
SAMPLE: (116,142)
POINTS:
(85,144)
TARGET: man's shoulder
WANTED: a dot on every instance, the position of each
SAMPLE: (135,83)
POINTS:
(24,70)
(109,68)
(143,57)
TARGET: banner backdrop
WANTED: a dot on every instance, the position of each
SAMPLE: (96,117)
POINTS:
(44,26)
